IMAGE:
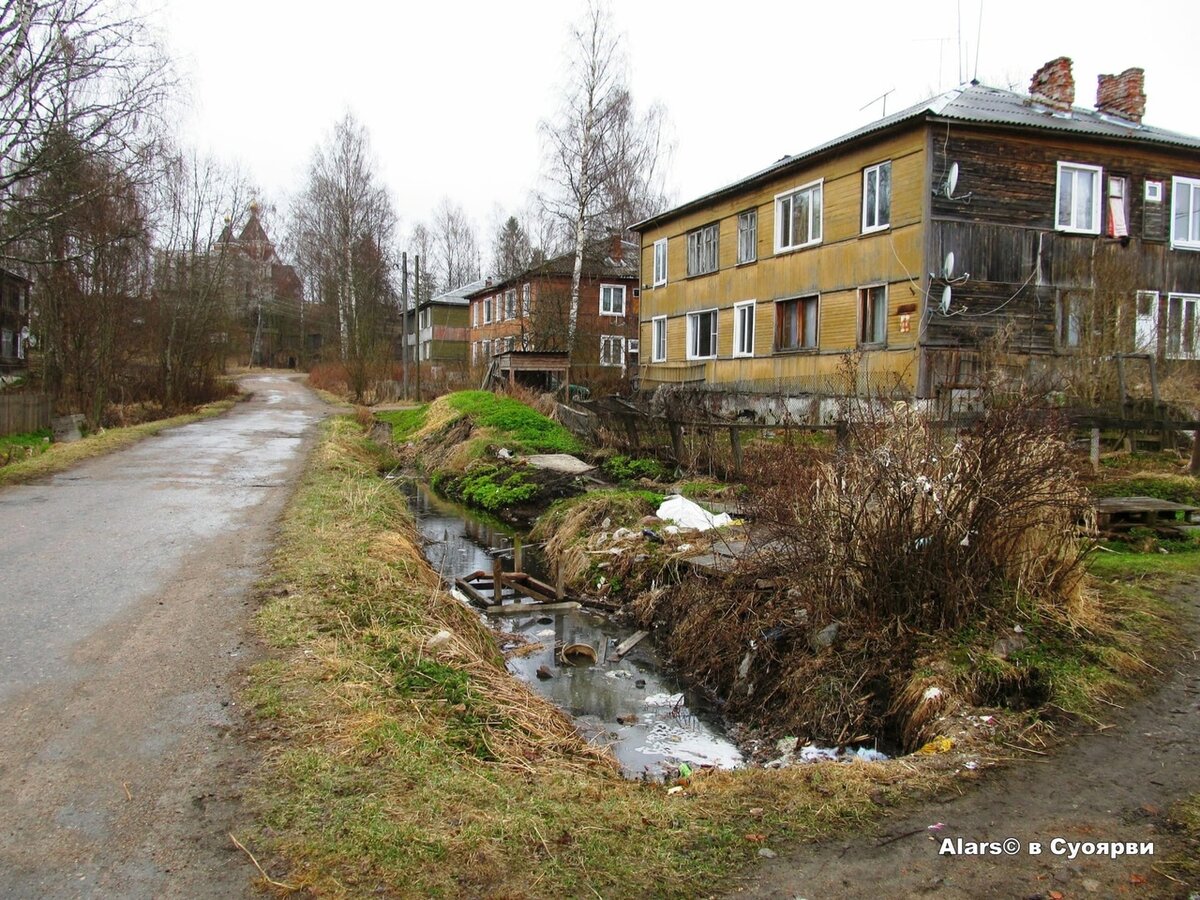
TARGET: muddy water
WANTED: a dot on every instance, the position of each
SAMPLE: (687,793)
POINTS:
(650,722)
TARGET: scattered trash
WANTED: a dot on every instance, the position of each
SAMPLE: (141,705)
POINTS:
(674,790)
(640,684)
(937,745)
(938,826)
(651,535)
(579,654)
(931,693)
(688,515)
(441,638)
(504,453)
(617,673)
(812,753)
(544,673)
(685,771)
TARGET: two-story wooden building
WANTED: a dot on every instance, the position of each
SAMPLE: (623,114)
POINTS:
(916,238)
(14,321)
(530,312)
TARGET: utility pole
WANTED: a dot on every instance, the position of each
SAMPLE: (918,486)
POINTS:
(404,321)
(417,292)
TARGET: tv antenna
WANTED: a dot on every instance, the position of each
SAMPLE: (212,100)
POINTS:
(874,100)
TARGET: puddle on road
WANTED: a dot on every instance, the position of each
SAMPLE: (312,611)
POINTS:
(650,722)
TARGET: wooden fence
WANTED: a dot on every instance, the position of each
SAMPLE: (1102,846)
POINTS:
(23,412)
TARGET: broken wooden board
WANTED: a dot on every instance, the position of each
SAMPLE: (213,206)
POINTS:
(521,609)
(629,643)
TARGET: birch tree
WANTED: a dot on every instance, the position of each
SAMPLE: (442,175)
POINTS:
(455,249)
(344,226)
(602,157)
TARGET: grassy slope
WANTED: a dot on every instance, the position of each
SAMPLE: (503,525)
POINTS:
(59,457)
(430,771)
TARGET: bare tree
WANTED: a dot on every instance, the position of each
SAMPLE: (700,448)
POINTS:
(454,250)
(86,68)
(191,307)
(420,245)
(344,225)
(600,152)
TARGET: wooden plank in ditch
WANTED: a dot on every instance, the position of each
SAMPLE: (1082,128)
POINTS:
(520,609)
(629,643)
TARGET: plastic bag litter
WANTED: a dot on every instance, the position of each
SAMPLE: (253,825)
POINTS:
(688,515)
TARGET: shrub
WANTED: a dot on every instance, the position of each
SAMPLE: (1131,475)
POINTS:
(625,468)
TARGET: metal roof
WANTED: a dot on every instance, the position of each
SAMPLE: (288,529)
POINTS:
(972,103)
(597,263)
(456,297)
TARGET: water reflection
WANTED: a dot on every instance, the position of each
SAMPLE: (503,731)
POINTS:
(641,712)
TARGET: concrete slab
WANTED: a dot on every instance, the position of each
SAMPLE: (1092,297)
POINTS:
(558,462)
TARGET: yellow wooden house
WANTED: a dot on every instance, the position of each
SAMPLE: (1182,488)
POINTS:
(903,245)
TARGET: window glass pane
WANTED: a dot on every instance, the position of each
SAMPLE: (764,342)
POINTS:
(1084,191)
(816,214)
(885,194)
(1065,195)
(870,219)
(810,323)
(801,218)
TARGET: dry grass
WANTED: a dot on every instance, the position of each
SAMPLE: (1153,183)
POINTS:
(405,758)
(60,457)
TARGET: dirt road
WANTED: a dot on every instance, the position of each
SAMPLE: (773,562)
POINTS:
(124,606)
(1114,785)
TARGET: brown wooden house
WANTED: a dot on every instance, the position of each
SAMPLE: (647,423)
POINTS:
(530,312)
(981,218)
(14,322)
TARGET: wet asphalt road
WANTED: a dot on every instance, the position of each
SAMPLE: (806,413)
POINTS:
(124,614)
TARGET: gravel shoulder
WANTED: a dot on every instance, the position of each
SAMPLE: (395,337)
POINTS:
(123,635)
(1115,784)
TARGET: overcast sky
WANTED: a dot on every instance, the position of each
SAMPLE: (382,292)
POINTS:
(452,91)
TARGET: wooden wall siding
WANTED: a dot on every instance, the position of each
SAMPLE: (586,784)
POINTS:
(844,260)
(1005,237)
(1012,178)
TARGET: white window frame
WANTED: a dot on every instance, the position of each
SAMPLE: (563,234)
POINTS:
(607,343)
(1176,347)
(633,347)
(700,238)
(693,319)
(741,346)
(487,311)
(816,224)
(612,310)
(658,339)
(1154,191)
(510,303)
(814,341)
(1189,187)
(867,172)
(881,341)
(526,299)
(1074,169)
(747,230)
(660,262)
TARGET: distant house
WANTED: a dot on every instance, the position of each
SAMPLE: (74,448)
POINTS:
(913,240)
(443,329)
(14,321)
(269,299)
(530,312)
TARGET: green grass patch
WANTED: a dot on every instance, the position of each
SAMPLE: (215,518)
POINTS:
(526,428)
(405,422)
(426,769)
(1175,488)
(627,468)
(494,487)
(60,457)
(16,447)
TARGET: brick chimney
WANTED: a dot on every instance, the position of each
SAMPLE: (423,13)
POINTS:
(616,250)
(1123,95)
(1053,84)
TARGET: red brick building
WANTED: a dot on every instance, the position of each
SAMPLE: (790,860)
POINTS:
(531,312)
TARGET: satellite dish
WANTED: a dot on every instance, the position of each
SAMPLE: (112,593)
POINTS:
(951,180)
(946,300)
(948,268)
